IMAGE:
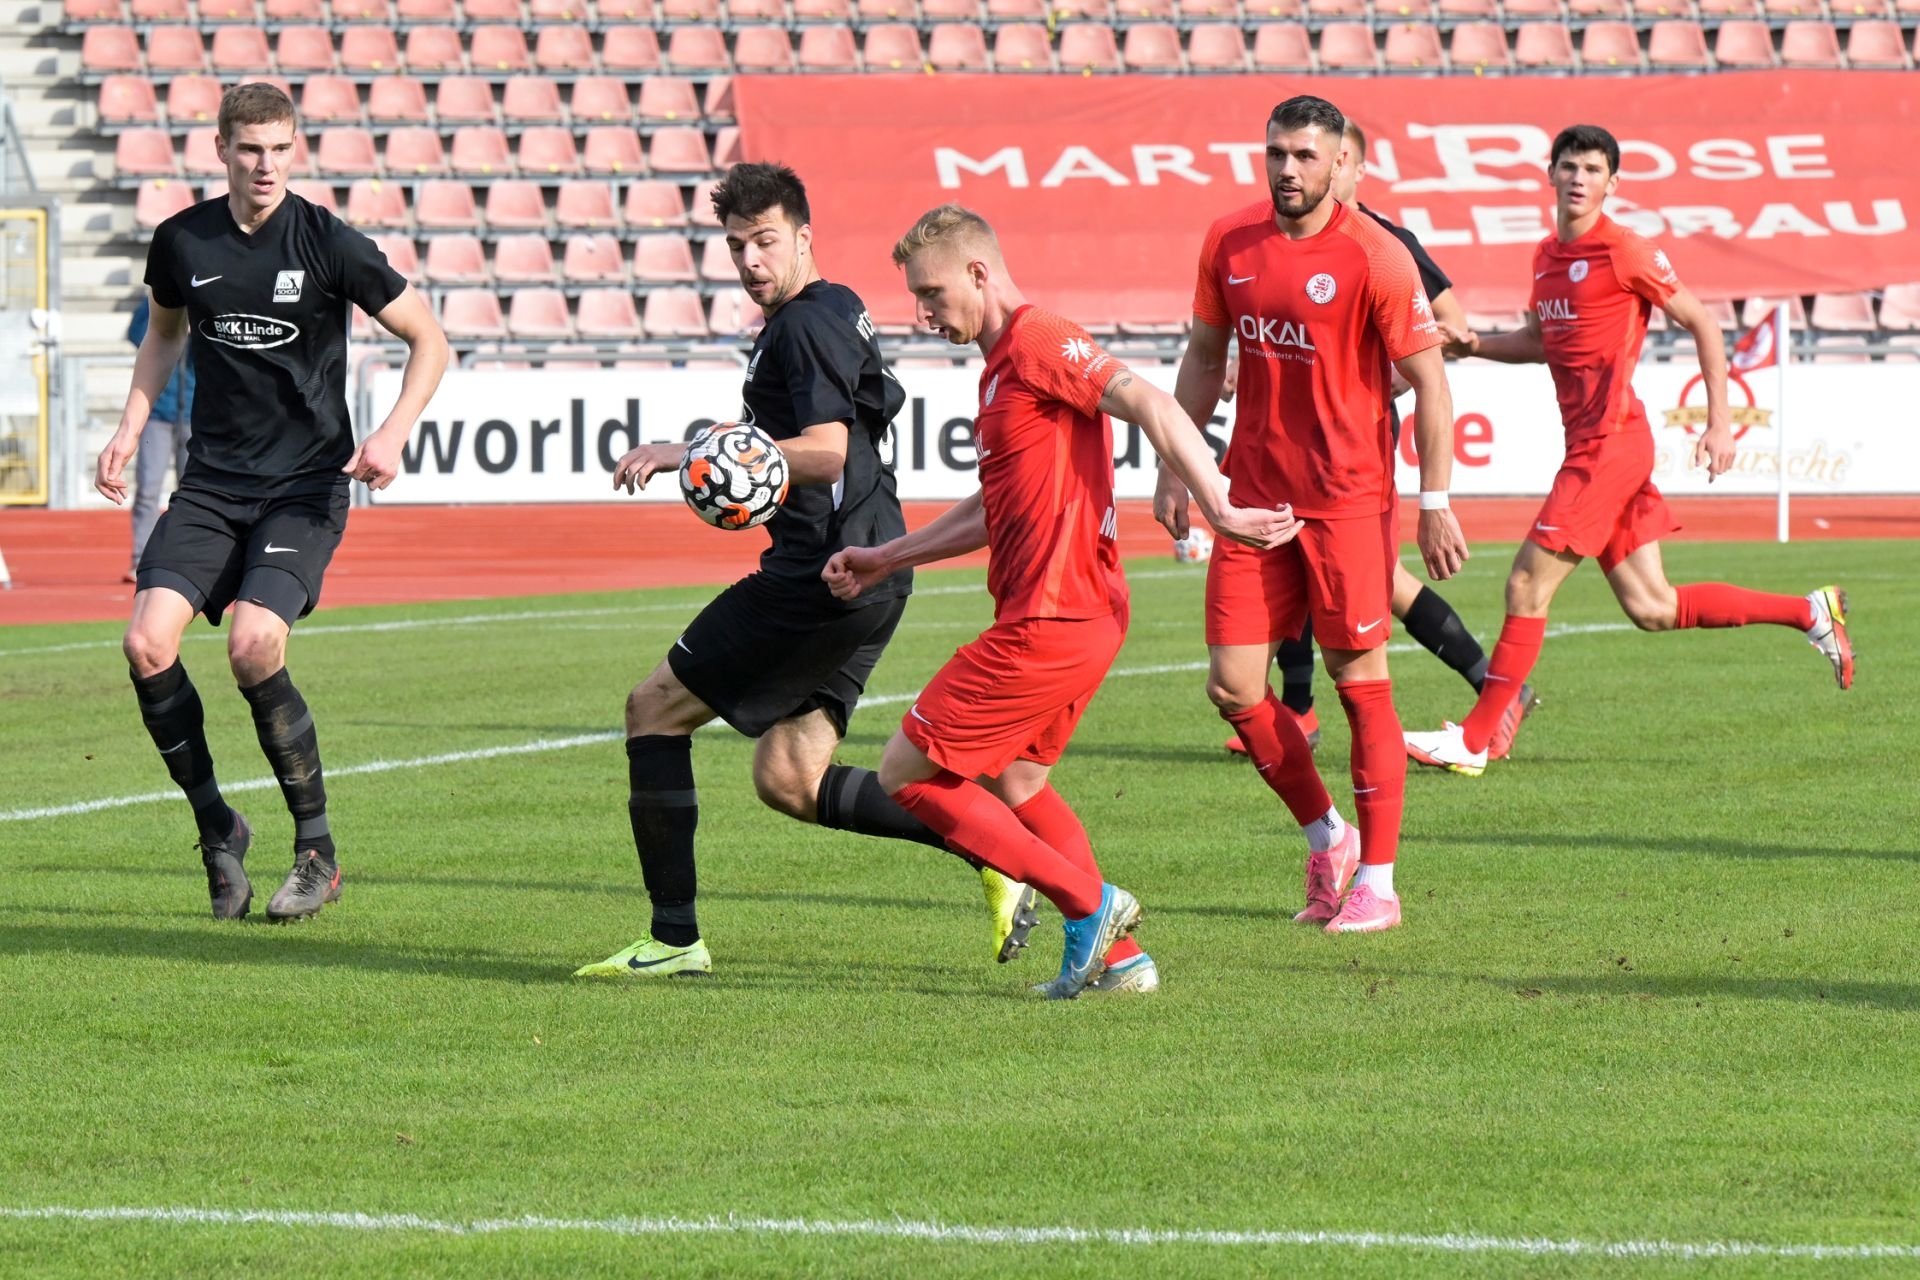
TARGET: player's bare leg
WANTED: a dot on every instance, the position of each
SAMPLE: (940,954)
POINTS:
(1379,769)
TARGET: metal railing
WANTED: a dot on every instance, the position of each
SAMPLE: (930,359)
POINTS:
(14,168)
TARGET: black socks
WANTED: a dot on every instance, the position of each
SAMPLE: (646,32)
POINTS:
(170,706)
(1295,660)
(1432,621)
(664,809)
(852,799)
(292,748)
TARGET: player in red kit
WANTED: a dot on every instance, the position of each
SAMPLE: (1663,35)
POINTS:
(1594,285)
(973,754)
(1325,304)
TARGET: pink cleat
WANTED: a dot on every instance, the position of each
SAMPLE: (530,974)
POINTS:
(1366,912)
(1328,875)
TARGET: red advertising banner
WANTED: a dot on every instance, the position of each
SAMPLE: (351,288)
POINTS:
(1756,183)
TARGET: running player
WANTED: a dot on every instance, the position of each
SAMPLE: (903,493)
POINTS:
(1594,285)
(265,279)
(973,754)
(776,655)
(1325,305)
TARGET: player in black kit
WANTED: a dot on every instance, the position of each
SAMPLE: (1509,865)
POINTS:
(264,280)
(775,655)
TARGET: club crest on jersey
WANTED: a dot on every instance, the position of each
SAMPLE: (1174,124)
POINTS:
(286,286)
(249,333)
(1076,349)
(993,385)
(1322,288)
(1578,271)
(1274,333)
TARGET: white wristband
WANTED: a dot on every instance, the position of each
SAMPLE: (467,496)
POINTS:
(1433,500)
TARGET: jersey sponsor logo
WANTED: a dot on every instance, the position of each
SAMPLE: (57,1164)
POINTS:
(1274,333)
(195,281)
(1556,309)
(286,286)
(1110,525)
(1074,350)
(1322,288)
(248,332)
(1578,271)
(1421,306)
(993,386)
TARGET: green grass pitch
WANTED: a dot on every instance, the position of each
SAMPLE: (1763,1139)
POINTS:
(1657,979)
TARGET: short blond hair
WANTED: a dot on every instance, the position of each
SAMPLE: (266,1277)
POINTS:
(952,225)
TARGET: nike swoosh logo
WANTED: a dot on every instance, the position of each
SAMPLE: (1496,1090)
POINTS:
(1541,275)
(914,711)
(1370,626)
(635,962)
(197,281)
(681,643)
(178,746)
(273,550)
(1546,528)
(1239,279)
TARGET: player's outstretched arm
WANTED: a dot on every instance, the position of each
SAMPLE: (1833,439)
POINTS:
(1714,449)
(954,532)
(160,351)
(376,461)
(1443,547)
(1197,387)
(818,455)
(1522,346)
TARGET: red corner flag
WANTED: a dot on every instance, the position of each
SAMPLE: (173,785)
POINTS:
(1759,347)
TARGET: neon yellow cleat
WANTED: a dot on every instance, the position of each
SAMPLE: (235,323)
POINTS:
(1011,904)
(650,959)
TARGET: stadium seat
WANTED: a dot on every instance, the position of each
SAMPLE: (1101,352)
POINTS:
(740,13)
(457,261)
(584,205)
(371,51)
(675,313)
(1336,10)
(1065,11)
(1857,10)
(201,159)
(1610,46)
(128,100)
(1194,11)
(379,11)
(1282,46)
(680,149)
(667,100)
(1644,11)
(1711,9)
(716,262)
(614,149)
(1151,46)
(1348,46)
(1002,12)
(609,315)
(614,12)
(727,150)
(593,259)
(471,313)
(700,205)
(459,100)
(1089,47)
(732,312)
(564,50)
(159,199)
(537,313)
(716,100)
(1589,10)
(346,151)
(1411,46)
(110,48)
(706,12)
(414,151)
(600,100)
(654,205)
(318,193)
(951,11)
(79,11)
(828,49)
(515,204)
(1022,46)
(893,46)
(663,259)
(954,46)
(496,11)
(444,204)
(1468,10)
(806,12)
(1793,8)
(329,99)
(1754,310)
(1480,47)
(193,100)
(236,50)
(523,259)
(150,11)
(480,150)
(1810,43)
(1677,44)
(393,100)
(1743,42)
(498,51)
(1542,46)
(693,50)
(1900,308)
(1216,46)
(374,203)
(1525,11)
(1876,45)
(1843,312)
(430,51)
(758,50)
(299,51)
(531,100)
(885,11)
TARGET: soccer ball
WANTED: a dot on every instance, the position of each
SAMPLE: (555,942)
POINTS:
(1195,548)
(734,476)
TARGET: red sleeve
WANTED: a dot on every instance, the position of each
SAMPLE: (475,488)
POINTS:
(1208,305)
(1396,300)
(1641,266)
(1057,360)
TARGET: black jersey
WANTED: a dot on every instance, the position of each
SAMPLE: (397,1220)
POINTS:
(268,314)
(1432,279)
(817,361)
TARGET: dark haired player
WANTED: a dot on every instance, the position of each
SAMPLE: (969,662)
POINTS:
(264,280)
(776,655)
(1594,285)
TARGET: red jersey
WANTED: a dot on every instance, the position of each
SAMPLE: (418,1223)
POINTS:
(1046,473)
(1593,297)
(1319,322)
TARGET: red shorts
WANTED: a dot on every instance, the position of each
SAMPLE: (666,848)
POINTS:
(1016,693)
(1603,502)
(1339,571)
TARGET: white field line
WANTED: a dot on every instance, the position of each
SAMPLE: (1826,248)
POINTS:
(539,745)
(944,1233)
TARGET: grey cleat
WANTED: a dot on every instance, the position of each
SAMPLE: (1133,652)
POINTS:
(225,861)
(311,885)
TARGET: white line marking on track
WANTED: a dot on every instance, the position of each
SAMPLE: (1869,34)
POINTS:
(947,1233)
(539,745)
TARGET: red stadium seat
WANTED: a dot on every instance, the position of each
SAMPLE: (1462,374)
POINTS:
(531,100)
(396,100)
(456,261)
(951,10)
(481,151)
(828,49)
(716,262)
(667,100)
(128,100)
(832,11)
(523,259)
(655,205)
(675,313)
(727,151)
(680,149)
(1810,43)
(1876,45)
(700,205)
(1542,46)
(878,11)
(1216,46)
(461,100)
(1000,12)
(1843,312)
(1191,11)
(201,159)
(498,51)
(1677,44)
(373,203)
(170,50)
(609,314)
(692,50)
(1655,10)
(515,204)
(237,50)
(614,149)
(567,50)
(291,11)
(414,151)
(1743,42)
(1152,46)
(1900,308)
(953,46)
(299,51)
(537,313)
(401,254)
(1348,46)
(1480,47)
(319,193)
(601,99)
(1282,46)
(706,12)
(208,12)
(192,100)
(1022,46)
(1535,11)
(1610,46)
(717,100)
(160,199)
(377,11)
(1411,46)
(1469,10)
(1587,10)
(893,47)
(584,205)
(1729,8)
(733,313)
(471,313)
(593,259)
(1324,10)
(548,151)
(1065,11)
(1088,47)
(79,11)
(758,50)
(542,12)
(330,99)
(495,11)
(446,205)
(738,13)
(663,259)
(613,12)
(1856,10)
(346,151)
(372,51)
(1793,8)
(1754,310)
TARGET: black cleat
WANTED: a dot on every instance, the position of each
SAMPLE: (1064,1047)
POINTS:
(311,885)
(225,861)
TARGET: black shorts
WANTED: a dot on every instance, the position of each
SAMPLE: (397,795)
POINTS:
(759,655)
(215,549)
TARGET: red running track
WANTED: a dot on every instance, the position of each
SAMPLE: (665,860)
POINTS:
(67,565)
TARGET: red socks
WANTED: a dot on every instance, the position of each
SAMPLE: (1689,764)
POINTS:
(972,820)
(1379,767)
(1512,661)
(1048,816)
(1281,754)
(1718,604)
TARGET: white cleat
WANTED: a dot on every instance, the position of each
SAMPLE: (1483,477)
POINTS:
(1446,748)
(1828,633)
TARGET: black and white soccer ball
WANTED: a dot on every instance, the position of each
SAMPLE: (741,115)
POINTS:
(734,476)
